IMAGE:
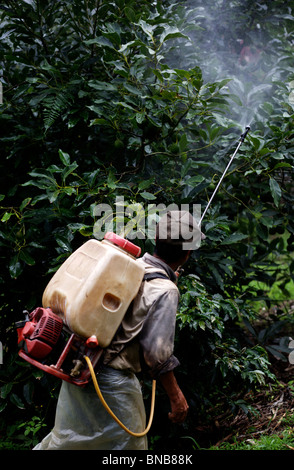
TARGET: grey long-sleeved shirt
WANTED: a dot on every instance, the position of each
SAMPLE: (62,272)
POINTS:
(148,328)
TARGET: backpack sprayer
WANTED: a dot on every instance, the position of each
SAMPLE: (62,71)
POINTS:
(83,306)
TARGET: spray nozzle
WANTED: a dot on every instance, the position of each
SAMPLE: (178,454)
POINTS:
(245,133)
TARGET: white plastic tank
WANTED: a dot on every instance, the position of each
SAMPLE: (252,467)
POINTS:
(94,287)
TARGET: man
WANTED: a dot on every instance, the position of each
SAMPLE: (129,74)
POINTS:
(145,338)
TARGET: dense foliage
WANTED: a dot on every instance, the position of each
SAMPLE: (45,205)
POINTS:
(146,102)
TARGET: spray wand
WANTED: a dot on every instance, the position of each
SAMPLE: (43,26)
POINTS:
(242,138)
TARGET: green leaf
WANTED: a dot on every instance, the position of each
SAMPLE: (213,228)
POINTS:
(130,14)
(102,86)
(171,32)
(100,122)
(17,401)
(15,267)
(6,216)
(5,390)
(147,28)
(28,390)
(24,203)
(186,167)
(3,406)
(195,180)
(26,257)
(100,41)
(68,170)
(147,195)
(183,142)
(234,238)
(145,184)
(275,190)
(64,157)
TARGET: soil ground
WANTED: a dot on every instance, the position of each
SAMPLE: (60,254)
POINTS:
(270,410)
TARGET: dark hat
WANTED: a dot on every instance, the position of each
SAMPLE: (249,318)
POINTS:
(179,228)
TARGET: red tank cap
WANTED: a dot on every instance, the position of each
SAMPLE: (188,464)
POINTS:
(123,243)
(92,342)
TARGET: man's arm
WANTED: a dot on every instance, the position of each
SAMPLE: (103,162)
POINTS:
(157,342)
(179,405)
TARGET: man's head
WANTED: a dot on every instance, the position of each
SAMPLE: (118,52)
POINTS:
(177,233)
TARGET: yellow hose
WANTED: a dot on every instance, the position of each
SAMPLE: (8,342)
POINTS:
(136,434)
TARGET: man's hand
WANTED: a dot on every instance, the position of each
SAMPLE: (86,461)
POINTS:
(179,409)
(179,405)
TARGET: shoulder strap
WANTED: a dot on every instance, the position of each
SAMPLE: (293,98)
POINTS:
(149,276)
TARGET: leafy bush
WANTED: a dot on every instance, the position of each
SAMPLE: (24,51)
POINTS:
(211,337)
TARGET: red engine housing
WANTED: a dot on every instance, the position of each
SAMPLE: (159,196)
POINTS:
(41,333)
(44,343)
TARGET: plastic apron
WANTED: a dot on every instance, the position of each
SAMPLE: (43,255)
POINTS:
(82,423)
